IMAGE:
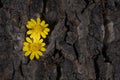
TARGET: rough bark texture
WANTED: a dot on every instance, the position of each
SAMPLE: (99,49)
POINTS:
(84,42)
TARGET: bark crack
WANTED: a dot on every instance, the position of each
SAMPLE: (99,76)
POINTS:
(107,32)
(87,3)
(66,25)
(13,74)
(1,4)
(97,71)
(44,7)
(58,72)
(76,52)
(20,67)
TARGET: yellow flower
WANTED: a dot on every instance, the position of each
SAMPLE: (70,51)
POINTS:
(37,28)
(34,48)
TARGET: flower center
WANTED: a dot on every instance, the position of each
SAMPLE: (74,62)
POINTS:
(34,47)
(38,28)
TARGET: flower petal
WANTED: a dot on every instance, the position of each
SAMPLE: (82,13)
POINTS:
(27,53)
(30,32)
(33,21)
(43,49)
(25,48)
(25,43)
(32,35)
(45,32)
(32,56)
(30,25)
(38,21)
(40,53)
(37,56)
(43,44)
(42,23)
(41,40)
(46,25)
(28,40)
(36,38)
(47,29)
(43,35)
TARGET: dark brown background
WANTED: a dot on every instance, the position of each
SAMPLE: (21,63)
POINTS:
(84,42)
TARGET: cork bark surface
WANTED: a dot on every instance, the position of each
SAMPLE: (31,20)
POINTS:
(84,42)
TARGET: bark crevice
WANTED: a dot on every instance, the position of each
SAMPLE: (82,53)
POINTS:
(1,4)
(58,72)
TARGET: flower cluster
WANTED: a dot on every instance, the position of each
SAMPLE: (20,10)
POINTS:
(34,45)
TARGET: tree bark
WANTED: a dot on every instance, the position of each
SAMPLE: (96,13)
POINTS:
(83,43)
